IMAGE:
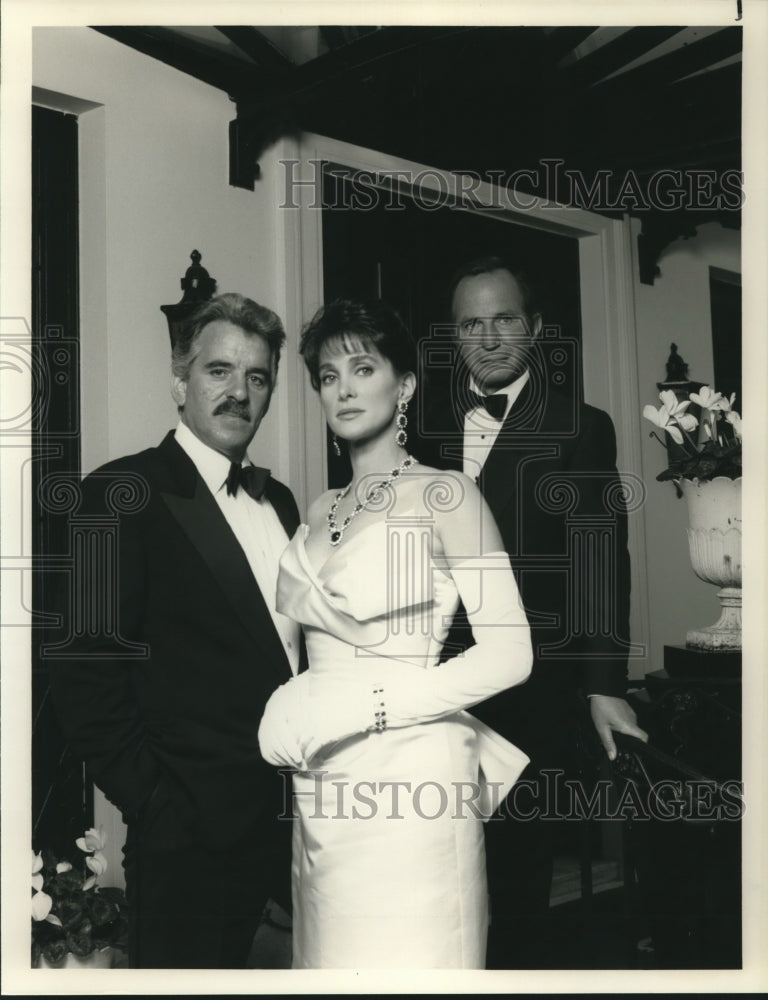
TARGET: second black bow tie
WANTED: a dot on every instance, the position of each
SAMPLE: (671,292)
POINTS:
(252,478)
(495,405)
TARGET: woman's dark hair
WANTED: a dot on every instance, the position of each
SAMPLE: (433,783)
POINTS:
(372,323)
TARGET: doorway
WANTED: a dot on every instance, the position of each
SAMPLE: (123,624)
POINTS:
(62,801)
(725,307)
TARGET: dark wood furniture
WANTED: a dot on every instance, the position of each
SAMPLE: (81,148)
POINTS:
(683,844)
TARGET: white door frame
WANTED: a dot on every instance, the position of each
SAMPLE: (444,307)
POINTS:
(607,309)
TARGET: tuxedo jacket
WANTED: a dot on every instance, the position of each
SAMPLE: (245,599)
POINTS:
(551,483)
(164,702)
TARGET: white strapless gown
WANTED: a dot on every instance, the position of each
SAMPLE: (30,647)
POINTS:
(388,854)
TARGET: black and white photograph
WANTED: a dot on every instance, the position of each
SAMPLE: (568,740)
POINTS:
(375,401)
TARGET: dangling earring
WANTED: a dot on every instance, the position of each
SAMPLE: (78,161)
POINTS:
(336,447)
(402,422)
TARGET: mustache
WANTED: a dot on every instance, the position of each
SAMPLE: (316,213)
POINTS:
(241,410)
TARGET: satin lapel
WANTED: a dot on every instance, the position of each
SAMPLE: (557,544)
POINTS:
(284,506)
(445,445)
(206,527)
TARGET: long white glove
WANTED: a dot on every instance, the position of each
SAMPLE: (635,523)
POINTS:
(309,712)
(279,730)
(501,657)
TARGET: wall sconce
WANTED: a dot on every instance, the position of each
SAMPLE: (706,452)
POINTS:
(198,286)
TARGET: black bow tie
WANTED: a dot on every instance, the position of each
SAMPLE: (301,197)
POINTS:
(495,405)
(252,478)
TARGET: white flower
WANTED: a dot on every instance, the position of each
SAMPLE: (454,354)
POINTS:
(734,420)
(41,905)
(672,404)
(97,864)
(671,415)
(63,866)
(89,883)
(37,878)
(707,398)
(94,840)
(712,404)
(725,404)
(714,450)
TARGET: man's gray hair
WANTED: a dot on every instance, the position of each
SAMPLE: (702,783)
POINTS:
(253,319)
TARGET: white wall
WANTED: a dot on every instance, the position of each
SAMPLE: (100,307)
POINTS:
(676,308)
(153,186)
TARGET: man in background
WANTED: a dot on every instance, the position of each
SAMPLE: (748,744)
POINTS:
(545,464)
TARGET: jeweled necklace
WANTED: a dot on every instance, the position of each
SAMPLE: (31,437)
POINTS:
(336,530)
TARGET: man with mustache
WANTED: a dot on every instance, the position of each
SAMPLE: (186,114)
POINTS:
(164,707)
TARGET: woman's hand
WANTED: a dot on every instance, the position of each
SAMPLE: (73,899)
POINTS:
(308,713)
(279,729)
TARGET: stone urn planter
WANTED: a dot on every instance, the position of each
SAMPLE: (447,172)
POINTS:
(714,541)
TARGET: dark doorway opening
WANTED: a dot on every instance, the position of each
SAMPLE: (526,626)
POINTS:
(61,799)
(725,305)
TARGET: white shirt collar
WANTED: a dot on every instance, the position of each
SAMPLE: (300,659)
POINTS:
(211,464)
(511,391)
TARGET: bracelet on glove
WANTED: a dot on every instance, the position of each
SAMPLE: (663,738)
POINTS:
(379,710)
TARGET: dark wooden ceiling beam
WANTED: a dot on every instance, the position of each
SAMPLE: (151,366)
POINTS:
(561,41)
(336,35)
(617,53)
(715,87)
(404,90)
(332,68)
(257,47)
(217,69)
(706,107)
(652,77)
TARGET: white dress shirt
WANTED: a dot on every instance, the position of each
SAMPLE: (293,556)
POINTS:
(481,429)
(256,526)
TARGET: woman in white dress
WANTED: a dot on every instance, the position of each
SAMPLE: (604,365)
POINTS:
(393,778)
